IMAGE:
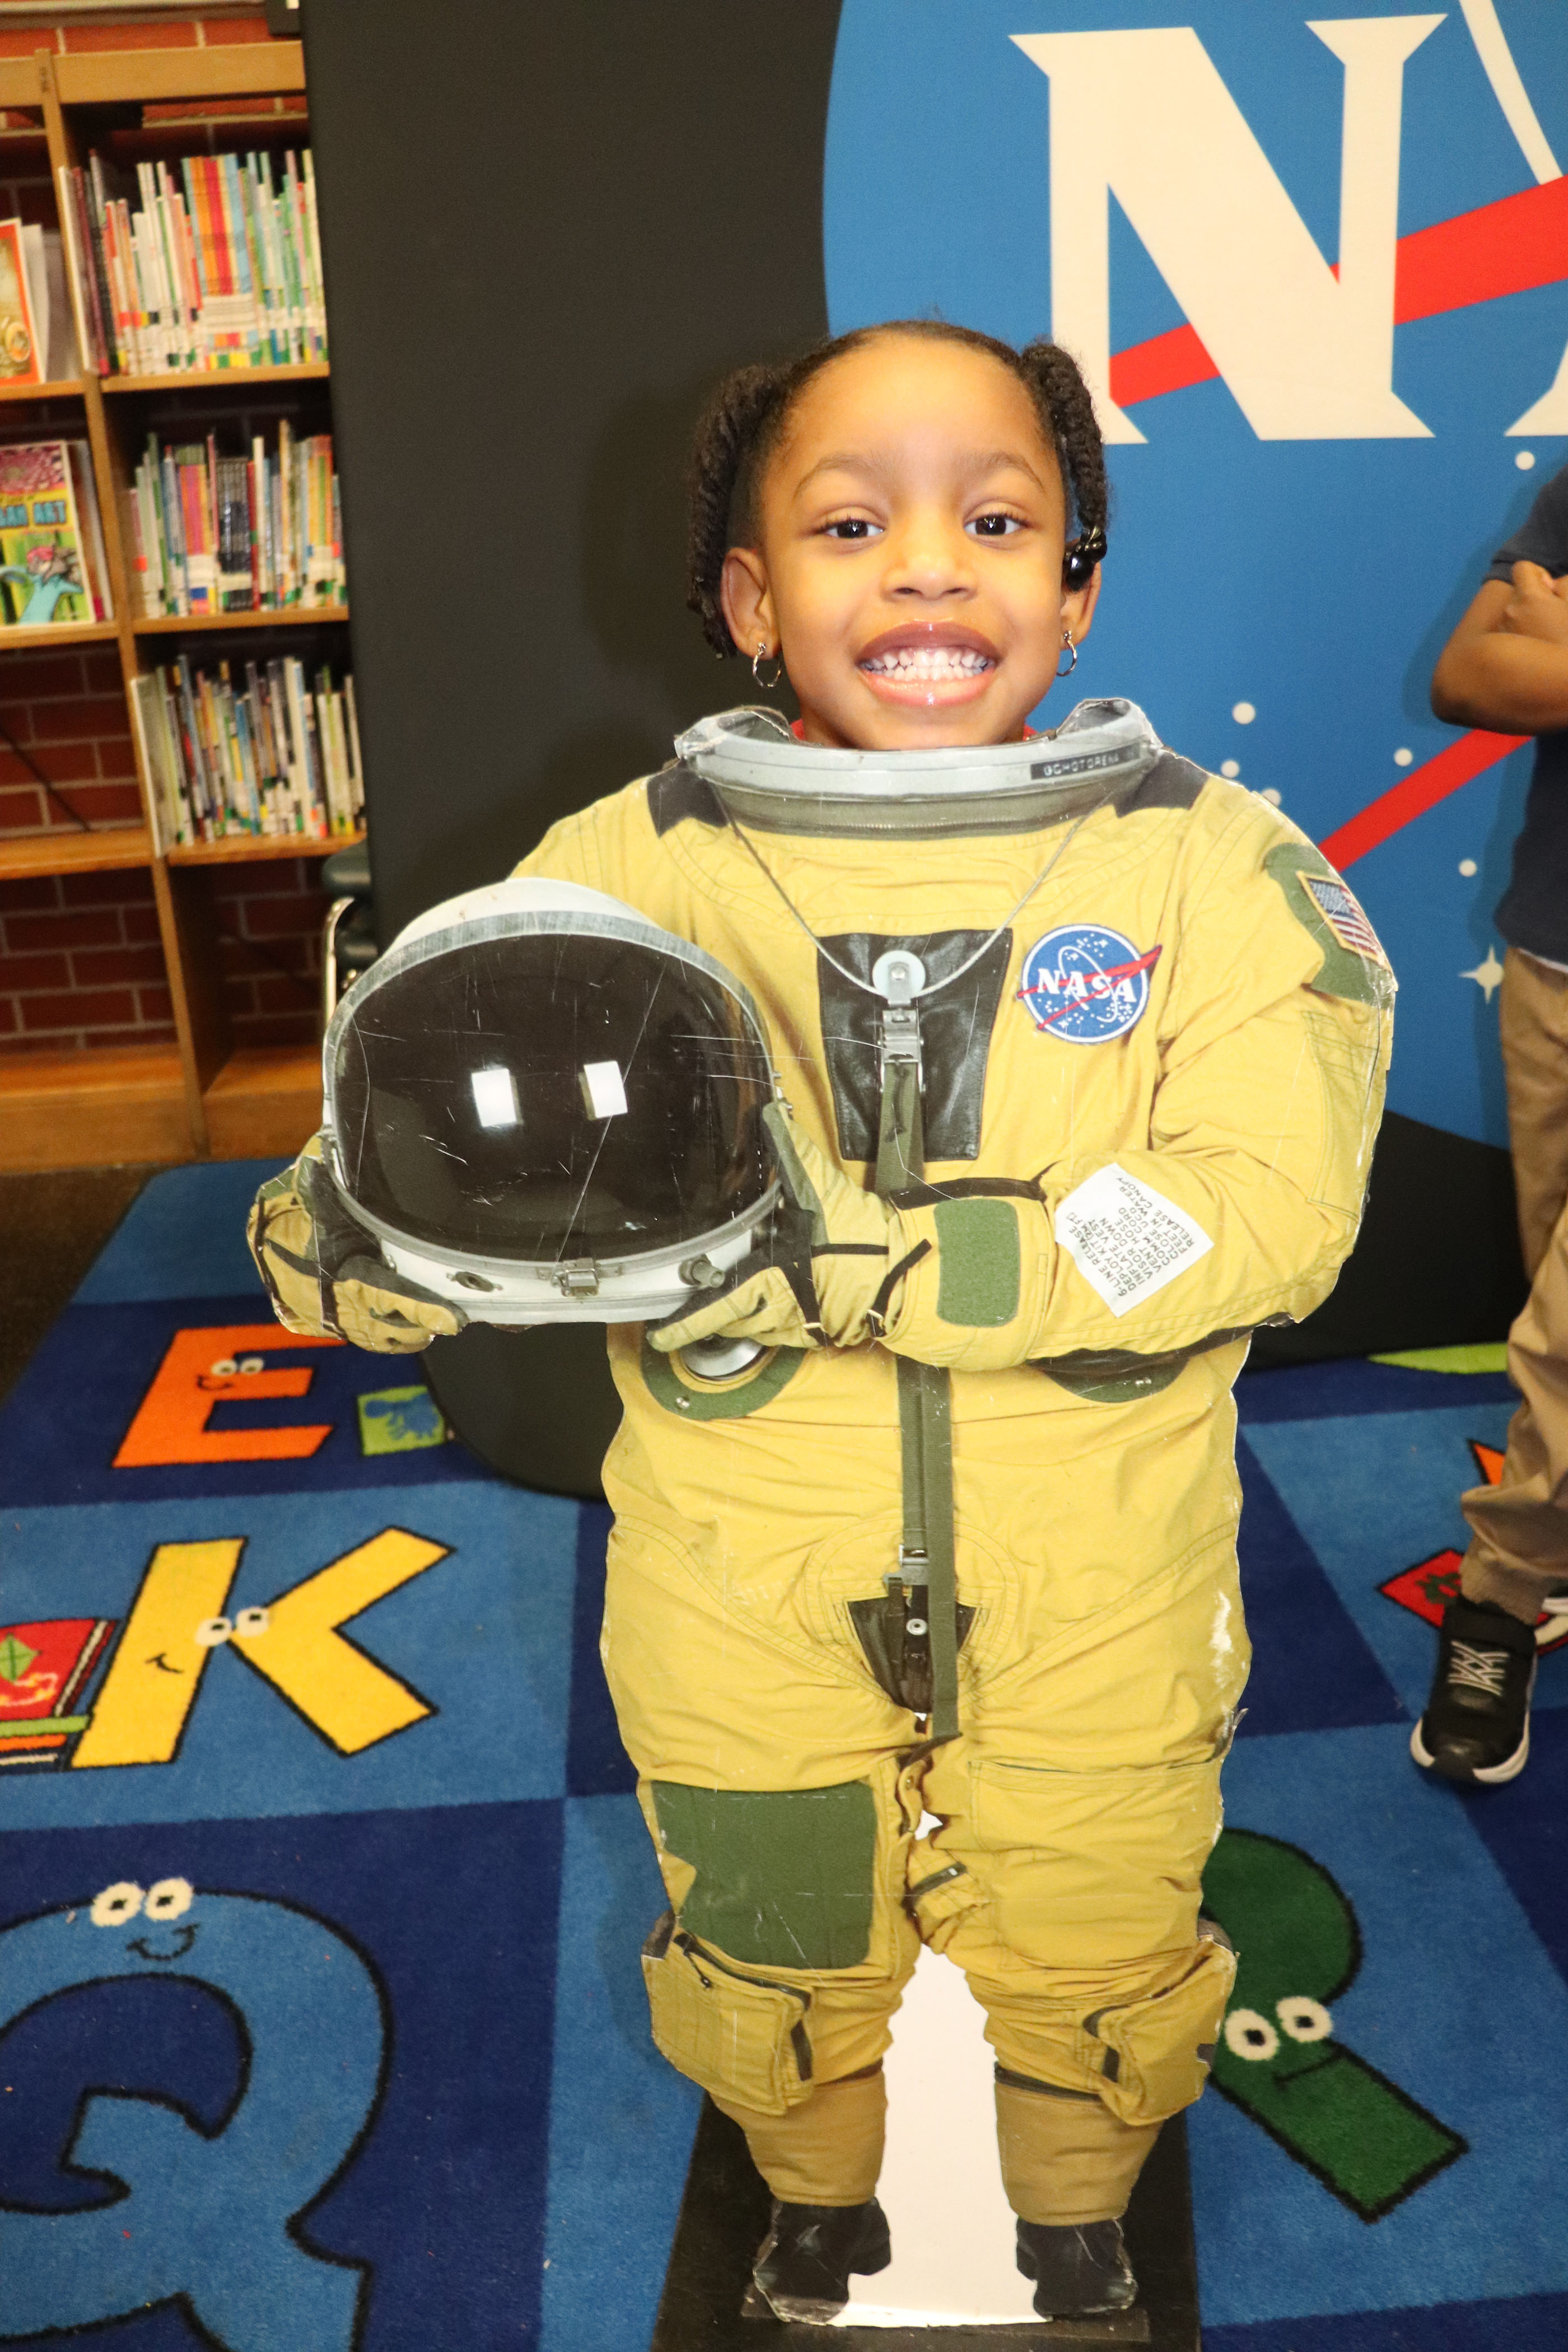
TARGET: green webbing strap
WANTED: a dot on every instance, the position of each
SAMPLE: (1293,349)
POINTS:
(925,1420)
(925,1425)
(900,1146)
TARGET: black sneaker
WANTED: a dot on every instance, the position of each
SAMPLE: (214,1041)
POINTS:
(1477,1724)
(1077,2269)
(802,2266)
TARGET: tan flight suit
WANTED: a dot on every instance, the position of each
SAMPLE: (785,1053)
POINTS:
(753,1595)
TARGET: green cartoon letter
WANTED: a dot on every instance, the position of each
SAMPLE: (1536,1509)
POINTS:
(1364,2138)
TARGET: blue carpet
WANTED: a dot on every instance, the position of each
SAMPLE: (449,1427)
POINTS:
(321,1885)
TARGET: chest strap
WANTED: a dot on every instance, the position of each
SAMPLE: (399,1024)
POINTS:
(926,1553)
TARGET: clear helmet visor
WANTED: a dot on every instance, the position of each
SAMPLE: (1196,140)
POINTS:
(534,1089)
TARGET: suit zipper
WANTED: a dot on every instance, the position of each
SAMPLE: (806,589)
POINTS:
(799,2038)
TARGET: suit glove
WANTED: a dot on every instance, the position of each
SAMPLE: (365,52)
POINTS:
(815,1279)
(956,1274)
(324,1273)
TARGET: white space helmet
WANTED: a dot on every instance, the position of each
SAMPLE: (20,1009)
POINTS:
(546,1107)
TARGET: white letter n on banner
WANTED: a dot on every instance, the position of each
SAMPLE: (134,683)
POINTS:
(1146,117)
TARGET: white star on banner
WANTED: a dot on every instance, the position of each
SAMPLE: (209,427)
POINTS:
(1487,976)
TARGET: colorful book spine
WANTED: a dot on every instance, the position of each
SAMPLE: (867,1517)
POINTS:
(75,213)
(74,270)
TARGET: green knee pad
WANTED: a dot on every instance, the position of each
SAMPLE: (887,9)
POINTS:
(785,1878)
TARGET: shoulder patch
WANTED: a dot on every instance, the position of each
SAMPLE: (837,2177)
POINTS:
(1171,783)
(677,792)
(1354,965)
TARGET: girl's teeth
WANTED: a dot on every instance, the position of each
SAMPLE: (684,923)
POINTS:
(928,662)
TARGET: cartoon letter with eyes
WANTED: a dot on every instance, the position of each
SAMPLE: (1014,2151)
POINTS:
(1368,2142)
(200,2217)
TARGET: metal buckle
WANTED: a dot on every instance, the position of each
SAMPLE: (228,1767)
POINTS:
(577,1277)
(899,1041)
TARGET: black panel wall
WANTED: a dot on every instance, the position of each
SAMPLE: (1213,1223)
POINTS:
(547,231)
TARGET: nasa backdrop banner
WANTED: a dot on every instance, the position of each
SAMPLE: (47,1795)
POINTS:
(1318,269)
(1313,267)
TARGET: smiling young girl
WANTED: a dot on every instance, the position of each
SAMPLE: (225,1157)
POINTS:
(922,1619)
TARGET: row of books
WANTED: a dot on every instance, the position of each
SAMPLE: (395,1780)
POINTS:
(216,264)
(52,563)
(266,752)
(216,533)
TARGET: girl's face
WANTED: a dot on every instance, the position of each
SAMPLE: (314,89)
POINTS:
(909,555)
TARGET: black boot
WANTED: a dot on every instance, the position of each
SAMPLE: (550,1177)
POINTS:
(1476,1723)
(802,2266)
(1077,2269)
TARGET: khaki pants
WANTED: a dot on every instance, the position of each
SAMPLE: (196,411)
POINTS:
(1518,1548)
(1533,1022)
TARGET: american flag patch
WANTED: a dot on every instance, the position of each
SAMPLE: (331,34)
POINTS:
(1343,916)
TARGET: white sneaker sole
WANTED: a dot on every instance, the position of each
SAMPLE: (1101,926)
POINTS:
(1489,1775)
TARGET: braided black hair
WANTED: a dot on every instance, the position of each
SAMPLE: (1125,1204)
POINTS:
(743,421)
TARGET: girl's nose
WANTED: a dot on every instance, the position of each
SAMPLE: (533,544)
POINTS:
(929,557)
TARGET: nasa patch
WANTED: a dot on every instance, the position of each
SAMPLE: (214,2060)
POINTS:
(1086,983)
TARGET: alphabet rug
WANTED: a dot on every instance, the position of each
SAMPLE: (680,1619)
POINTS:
(321,1882)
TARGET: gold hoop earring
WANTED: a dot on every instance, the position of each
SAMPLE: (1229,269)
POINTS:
(758,658)
(1069,648)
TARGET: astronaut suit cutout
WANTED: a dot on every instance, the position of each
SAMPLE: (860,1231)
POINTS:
(929,1509)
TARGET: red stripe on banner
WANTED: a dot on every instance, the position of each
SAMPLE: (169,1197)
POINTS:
(1165,364)
(1502,249)
(1507,248)
(1413,794)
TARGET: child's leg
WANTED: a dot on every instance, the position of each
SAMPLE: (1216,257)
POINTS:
(1066,2158)
(773,1983)
(770,1788)
(827,2150)
(1078,1815)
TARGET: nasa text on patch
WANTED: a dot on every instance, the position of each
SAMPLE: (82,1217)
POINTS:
(1086,983)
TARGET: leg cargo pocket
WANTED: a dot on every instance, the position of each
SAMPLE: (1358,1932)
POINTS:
(1151,2057)
(744,2037)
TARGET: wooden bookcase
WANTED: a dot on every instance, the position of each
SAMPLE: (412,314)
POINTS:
(202,1096)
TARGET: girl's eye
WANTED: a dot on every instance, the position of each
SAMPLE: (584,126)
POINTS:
(851,527)
(996,525)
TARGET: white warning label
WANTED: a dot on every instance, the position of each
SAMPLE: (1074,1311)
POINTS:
(1125,1239)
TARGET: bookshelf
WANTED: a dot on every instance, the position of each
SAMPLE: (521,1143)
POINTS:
(105,850)
(220,379)
(308,617)
(205,1094)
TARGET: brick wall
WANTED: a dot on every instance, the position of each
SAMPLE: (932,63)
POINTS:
(68,711)
(80,964)
(80,959)
(269,918)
